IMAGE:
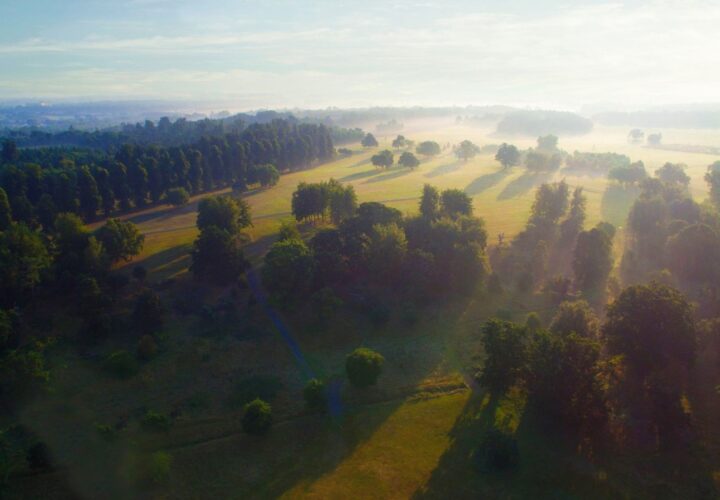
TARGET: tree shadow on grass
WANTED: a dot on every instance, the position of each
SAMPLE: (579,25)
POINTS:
(546,469)
(444,169)
(365,161)
(165,264)
(523,184)
(359,175)
(486,182)
(389,175)
(616,203)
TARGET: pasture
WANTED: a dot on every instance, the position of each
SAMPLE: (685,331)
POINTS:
(409,438)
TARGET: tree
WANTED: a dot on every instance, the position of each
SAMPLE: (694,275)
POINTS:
(369,141)
(399,142)
(547,143)
(120,239)
(428,148)
(508,155)
(89,194)
(408,160)
(217,256)
(652,326)
(5,212)
(309,201)
(257,417)
(148,313)
(693,254)
(575,317)
(430,202)
(23,262)
(343,201)
(386,250)
(505,346)
(542,161)
(592,260)
(630,175)
(177,197)
(363,367)
(563,383)
(654,139)
(467,150)
(673,173)
(10,152)
(455,202)
(315,394)
(384,159)
(712,177)
(224,213)
(267,175)
(288,270)
(636,135)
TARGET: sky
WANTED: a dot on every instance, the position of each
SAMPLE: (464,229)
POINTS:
(315,54)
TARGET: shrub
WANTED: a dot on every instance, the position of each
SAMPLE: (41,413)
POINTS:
(257,417)
(497,452)
(255,387)
(147,347)
(177,197)
(156,422)
(106,431)
(121,364)
(315,395)
(363,367)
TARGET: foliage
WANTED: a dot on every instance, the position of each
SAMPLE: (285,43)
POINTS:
(369,141)
(454,203)
(430,202)
(23,262)
(408,160)
(121,240)
(217,257)
(288,231)
(223,213)
(363,367)
(506,350)
(428,148)
(673,173)
(592,260)
(575,317)
(288,269)
(631,174)
(508,155)
(384,159)
(177,197)
(147,347)
(257,417)
(467,150)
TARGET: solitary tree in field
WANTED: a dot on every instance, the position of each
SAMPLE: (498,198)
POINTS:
(547,143)
(257,417)
(428,148)
(508,155)
(369,141)
(363,367)
(409,160)
(654,139)
(384,159)
(466,150)
(399,142)
(636,135)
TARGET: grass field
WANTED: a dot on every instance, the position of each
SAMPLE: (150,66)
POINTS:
(410,437)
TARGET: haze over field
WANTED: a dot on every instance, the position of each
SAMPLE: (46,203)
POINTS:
(285,53)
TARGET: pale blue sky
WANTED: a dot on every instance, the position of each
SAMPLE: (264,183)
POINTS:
(286,53)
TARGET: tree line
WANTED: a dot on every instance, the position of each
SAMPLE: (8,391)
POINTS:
(133,176)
